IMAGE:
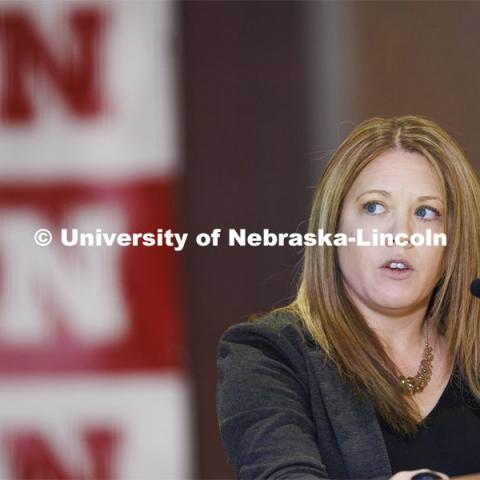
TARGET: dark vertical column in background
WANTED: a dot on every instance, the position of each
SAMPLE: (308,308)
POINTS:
(246,166)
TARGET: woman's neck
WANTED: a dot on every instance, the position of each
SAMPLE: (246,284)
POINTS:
(402,336)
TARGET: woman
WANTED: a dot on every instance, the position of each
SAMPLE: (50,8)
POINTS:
(372,370)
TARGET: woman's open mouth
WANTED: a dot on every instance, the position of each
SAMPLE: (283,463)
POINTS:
(397,269)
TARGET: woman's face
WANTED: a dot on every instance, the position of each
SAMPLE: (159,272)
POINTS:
(406,198)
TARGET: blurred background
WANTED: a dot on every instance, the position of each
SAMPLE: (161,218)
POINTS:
(138,116)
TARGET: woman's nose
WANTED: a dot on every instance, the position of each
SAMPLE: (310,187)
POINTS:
(401,229)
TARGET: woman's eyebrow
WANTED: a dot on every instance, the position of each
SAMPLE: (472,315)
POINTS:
(428,197)
(422,198)
(381,192)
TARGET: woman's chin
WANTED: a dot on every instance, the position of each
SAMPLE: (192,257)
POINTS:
(395,301)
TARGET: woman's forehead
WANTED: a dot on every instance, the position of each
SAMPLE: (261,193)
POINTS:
(399,170)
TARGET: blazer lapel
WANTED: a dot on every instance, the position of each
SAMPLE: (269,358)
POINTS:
(354,422)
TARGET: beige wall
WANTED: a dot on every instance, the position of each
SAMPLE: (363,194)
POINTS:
(394,58)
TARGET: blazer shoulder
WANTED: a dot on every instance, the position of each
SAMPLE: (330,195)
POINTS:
(279,335)
(280,328)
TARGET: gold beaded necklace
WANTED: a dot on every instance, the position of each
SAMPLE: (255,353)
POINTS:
(412,385)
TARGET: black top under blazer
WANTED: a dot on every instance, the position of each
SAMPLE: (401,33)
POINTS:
(285,413)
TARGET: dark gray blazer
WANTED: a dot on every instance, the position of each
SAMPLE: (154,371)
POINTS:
(283,414)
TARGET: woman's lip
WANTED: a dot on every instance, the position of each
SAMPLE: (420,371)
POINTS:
(398,261)
(397,274)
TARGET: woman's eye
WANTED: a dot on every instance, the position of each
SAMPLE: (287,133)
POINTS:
(371,208)
(428,213)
